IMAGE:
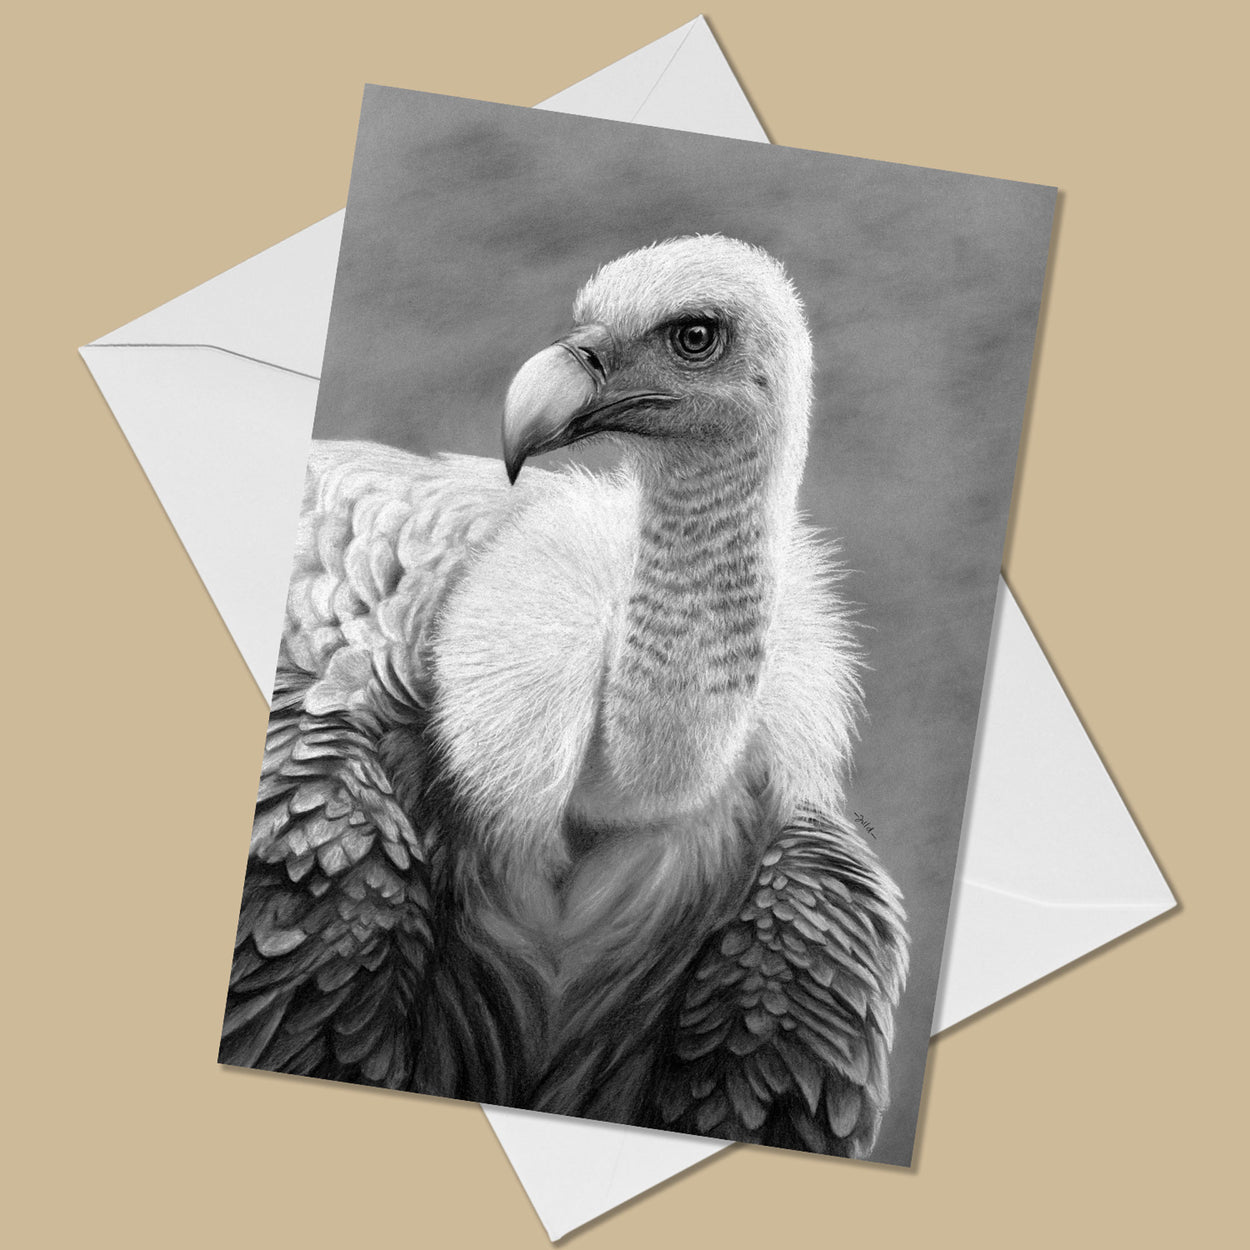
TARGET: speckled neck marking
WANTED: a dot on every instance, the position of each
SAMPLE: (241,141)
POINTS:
(696,614)
(691,641)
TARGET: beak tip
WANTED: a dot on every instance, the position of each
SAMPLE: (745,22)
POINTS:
(548,391)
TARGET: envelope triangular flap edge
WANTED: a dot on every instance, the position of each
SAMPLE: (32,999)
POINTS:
(224,443)
(617,92)
(703,97)
(272,309)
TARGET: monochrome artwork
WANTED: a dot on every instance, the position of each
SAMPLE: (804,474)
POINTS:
(635,640)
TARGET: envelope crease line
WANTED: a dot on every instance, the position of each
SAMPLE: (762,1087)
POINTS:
(215,347)
(1062,906)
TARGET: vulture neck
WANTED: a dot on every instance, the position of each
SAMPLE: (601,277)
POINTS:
(681,681)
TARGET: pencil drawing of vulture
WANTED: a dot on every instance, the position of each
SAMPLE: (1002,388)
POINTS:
(551,807)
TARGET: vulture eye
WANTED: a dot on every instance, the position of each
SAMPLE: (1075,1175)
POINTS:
(696,341)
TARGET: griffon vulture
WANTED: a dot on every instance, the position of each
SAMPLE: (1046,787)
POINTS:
(551,806)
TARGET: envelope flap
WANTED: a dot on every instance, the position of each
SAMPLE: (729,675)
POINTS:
(223,442)
(1066,838)
(575,1170)
(273,308)
(619,91)
(679,82)
(700,93)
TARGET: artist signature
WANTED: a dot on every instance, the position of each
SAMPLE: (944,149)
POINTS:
(864,823)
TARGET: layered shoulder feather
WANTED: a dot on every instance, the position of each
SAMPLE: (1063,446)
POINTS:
(783,1031)
(334,934)
(383,537)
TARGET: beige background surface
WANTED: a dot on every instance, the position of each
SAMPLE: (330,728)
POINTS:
(150,146)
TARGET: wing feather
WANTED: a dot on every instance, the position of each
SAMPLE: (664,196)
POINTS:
(335,966)
(333,940)
(782,1033)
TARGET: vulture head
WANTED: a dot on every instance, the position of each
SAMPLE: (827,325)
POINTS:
(691,350)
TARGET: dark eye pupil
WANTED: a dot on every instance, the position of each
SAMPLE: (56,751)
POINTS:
(695,339)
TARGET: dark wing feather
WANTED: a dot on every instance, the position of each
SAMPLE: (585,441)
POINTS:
(334,932)
(341,969)
(784,1027)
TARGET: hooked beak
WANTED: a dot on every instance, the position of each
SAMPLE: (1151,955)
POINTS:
(565,393)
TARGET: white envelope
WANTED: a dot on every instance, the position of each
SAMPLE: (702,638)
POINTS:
(215,392)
